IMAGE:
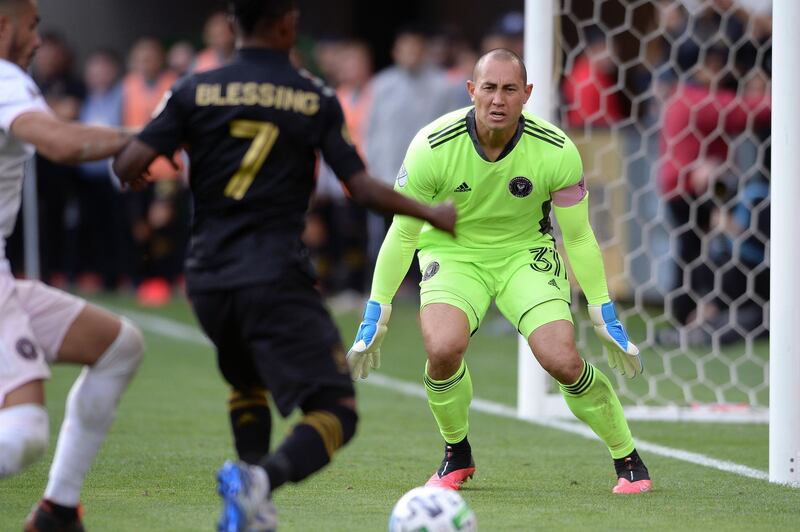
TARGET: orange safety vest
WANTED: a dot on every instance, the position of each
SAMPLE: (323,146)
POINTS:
(206,60)
(356,113)
(139,101)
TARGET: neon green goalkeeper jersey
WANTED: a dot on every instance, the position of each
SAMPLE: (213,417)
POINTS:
(503,206)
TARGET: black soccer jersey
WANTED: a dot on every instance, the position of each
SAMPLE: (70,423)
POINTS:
(252,130)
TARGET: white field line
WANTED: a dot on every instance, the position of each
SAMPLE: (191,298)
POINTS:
(180,331)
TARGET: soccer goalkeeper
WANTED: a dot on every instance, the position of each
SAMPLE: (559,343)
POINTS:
(504,168)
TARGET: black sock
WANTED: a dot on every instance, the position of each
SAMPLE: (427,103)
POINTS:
(251,422)
(311,445)
(631,467)
(460,448)
(64,513)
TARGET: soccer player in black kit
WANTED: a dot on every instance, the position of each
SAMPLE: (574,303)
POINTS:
(252,130)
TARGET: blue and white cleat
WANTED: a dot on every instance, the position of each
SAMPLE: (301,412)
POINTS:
(246,502)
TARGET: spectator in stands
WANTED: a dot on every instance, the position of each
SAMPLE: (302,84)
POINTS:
(733,307)
(699,117)
(181,58)
(453,52)
(146,82)
(220,43)
(335,232)
(508,31)
(156,213)
(411,93)
(52,72)
(58,205)
(353,80)
(590,87)
(325,55)
(105,243)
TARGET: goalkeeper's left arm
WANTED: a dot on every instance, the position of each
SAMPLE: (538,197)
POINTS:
(586,260)
(394,259)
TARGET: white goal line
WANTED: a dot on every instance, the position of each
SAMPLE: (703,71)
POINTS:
(181,331)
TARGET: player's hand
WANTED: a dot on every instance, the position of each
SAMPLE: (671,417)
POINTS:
(622,353)
(137,184)
(366,351)
(443,216)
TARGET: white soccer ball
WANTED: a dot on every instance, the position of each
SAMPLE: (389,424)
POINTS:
(429,509)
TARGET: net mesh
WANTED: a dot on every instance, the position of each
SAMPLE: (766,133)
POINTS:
(668,103)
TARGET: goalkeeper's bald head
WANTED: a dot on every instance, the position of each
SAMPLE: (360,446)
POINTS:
(254,16)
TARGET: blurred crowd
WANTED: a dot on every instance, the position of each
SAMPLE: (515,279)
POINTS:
(694,78)
(701,88)
(95,236)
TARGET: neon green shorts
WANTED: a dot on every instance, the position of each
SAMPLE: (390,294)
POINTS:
(520,285)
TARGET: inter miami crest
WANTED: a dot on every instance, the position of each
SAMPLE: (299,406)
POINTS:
(430,270)
(520,186)
(26,349)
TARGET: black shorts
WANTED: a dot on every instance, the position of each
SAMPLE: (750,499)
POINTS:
(276,335)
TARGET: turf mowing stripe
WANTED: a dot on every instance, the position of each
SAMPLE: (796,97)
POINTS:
(189,333)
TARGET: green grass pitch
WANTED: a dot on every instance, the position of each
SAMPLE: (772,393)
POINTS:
(156,470)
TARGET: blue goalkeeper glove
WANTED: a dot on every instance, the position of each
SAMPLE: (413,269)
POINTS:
(366,351)
(622,353)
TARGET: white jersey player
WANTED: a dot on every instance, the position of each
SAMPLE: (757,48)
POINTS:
(38,324)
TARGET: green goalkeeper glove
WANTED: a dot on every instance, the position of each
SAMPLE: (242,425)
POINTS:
(622,354)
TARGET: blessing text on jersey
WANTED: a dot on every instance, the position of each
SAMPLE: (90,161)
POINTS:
(262,94)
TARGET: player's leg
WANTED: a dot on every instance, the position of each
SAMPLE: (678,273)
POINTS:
(248,408)
(535,298)
(111,348)
(24,428)
(445,332)
(453,297)
(328,423)
(587,391)
(300,359)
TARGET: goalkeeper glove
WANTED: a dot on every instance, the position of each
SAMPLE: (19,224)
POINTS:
(366,351)
(622,353)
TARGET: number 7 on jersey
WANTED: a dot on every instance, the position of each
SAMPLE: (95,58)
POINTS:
(264,135)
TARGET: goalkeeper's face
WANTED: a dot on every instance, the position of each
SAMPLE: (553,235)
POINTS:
(499,92)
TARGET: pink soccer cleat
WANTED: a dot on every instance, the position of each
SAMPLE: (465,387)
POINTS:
(455,469)
(632,475)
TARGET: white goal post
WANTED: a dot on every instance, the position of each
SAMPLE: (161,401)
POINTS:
(784,393)
(719,380)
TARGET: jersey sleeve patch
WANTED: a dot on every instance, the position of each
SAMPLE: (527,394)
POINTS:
(402,176)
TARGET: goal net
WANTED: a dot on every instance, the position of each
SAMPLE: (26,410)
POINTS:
(668,103)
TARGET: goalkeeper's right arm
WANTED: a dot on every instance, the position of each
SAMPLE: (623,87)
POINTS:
(394,259)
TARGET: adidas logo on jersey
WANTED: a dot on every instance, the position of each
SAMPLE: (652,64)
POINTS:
(463,187)
(553,282)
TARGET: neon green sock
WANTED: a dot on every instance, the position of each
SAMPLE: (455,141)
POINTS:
(449,401)
(592,399)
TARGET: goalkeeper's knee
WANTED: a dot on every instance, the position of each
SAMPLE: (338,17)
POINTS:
(24,435)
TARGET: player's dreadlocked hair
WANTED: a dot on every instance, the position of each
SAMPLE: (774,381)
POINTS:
(252,13)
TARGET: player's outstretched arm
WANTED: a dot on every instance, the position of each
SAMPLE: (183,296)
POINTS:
(130,166)
(394,259)
(586,260)
(378,196)
(68,142)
